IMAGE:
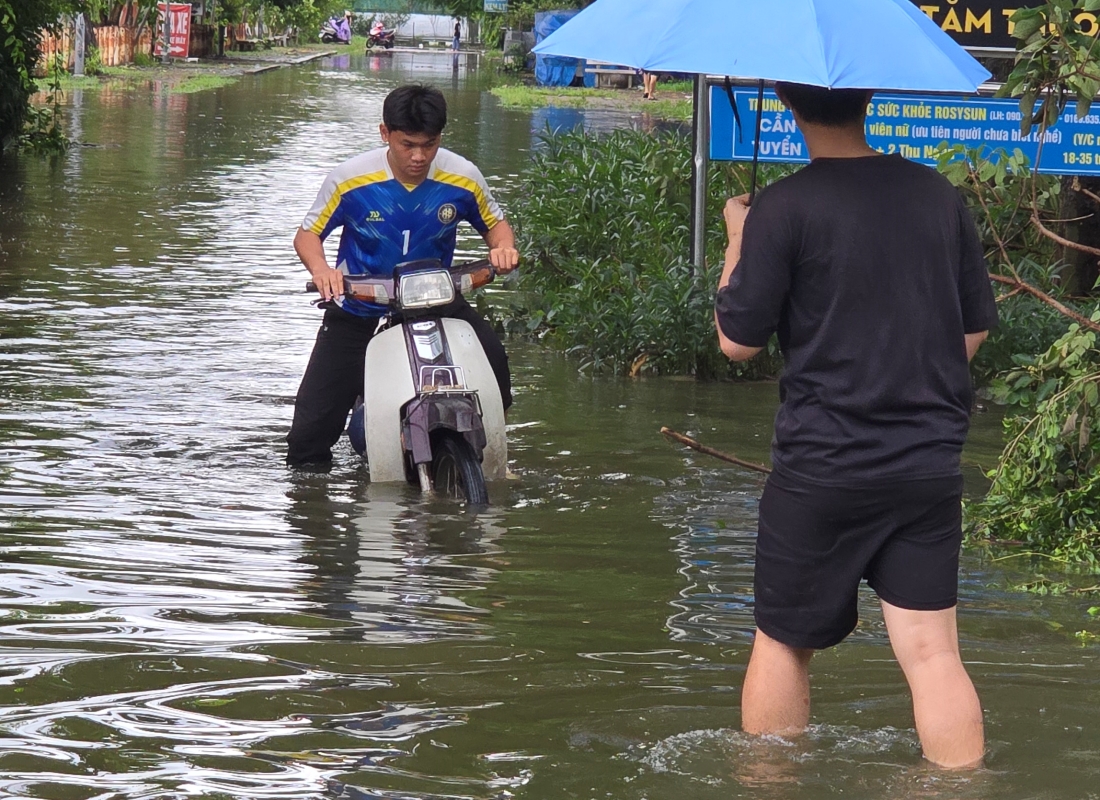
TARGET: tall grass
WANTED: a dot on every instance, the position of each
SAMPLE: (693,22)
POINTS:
(605,225)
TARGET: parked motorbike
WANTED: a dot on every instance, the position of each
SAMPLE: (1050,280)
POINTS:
(381,38)
(432,413)
(336,30)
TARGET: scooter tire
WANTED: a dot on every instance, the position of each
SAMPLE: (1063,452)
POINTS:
(388,45)
(456,472)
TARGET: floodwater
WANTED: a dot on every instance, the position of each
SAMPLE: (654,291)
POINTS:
(180,616)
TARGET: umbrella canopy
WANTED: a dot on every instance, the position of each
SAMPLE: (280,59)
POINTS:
(841,44)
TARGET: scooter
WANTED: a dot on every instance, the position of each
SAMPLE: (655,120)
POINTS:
(336,30)
(381,38)
(431,414)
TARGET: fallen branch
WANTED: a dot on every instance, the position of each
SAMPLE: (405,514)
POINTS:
(710,451)
(1020,285)
(1064,242)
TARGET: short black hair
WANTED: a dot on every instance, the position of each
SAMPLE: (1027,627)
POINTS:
(834,108)
(415,108)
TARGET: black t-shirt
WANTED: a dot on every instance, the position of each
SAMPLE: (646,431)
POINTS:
(871,270)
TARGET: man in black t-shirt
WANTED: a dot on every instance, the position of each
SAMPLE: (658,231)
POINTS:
(871,271)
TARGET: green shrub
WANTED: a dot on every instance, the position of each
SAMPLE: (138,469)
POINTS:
(604,223)
(93,62)
(1046,489)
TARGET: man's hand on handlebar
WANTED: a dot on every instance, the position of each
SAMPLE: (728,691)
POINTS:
(504,259)
(329,283)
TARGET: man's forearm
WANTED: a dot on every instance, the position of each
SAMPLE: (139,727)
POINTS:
(502,247)
(311,251)
(501,235)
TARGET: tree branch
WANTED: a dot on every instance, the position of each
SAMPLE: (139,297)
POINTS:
(710,451)
(1084,248)
(1023,286)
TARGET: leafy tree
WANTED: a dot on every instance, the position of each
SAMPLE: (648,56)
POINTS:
(22,24)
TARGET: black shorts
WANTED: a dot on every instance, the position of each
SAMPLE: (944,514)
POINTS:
(816,543)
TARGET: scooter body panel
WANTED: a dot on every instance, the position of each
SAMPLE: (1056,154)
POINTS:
(467,353)
(387,387)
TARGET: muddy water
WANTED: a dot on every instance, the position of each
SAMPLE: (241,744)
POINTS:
(182,617)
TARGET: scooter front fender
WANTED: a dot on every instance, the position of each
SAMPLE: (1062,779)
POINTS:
(387,387)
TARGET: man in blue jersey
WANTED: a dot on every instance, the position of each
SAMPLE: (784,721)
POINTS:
(401,202)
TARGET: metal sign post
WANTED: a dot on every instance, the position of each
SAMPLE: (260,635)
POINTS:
(700,141)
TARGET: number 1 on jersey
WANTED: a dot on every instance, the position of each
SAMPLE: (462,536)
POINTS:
(405,250)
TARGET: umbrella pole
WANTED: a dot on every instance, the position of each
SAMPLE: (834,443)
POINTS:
(756,141)
(700,143)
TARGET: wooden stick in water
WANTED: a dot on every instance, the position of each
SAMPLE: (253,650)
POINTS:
(710,451)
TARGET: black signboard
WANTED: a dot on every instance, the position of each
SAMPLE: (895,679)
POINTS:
(986,23)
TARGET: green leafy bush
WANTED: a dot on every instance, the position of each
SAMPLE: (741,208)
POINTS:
(93,62)
(1046,490)
(605,225)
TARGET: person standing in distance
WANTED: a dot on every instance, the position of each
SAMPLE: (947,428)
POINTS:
(458,34)
(400,202)
(872,272)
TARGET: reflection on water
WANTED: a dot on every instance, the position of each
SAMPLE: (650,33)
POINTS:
(184,617)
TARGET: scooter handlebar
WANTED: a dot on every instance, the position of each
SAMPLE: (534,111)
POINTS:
(468,276)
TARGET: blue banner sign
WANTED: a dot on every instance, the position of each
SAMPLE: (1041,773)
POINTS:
(916,126)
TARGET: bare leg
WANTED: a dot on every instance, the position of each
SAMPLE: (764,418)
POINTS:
(776,696)
(650,81)
(945,704)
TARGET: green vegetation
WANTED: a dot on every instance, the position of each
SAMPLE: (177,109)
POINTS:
(1046,489)
(605,226)
(201,83)
(532,97)
(141,76)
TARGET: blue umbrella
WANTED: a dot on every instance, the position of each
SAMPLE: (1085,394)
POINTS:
(853,44)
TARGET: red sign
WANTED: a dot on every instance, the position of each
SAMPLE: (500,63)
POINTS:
(180,45)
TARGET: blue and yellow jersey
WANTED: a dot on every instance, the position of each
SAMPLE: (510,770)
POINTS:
(385,222)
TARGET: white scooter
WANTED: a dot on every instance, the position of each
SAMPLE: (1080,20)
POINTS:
(432,413)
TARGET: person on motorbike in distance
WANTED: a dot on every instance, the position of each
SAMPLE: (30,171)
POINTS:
(397,203)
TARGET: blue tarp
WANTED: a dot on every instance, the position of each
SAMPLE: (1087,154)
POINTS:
(553,70)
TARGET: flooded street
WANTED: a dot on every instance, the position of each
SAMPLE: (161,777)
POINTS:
(181,616)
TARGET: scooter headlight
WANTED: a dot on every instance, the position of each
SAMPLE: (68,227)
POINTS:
(426,289)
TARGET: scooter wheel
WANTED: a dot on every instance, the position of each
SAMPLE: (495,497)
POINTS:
(456,472)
